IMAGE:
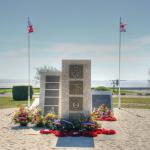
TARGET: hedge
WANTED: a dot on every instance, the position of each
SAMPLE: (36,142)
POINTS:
(21,92)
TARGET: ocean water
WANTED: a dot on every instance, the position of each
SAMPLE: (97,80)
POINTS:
(8,83)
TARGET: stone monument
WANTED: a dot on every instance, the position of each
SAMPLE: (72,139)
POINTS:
(75,88)
(50,92)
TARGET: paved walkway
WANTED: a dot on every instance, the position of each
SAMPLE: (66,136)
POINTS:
(132,134)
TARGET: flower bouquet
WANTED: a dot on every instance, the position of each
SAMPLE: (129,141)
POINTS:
(103,113)
(49,120)
(38,118)
(23,116)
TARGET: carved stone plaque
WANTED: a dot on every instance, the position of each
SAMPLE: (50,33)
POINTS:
(75,103)
(76,87)
(76,71)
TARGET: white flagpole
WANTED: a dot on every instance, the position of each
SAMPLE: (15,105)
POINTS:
(119,95)
(28,68)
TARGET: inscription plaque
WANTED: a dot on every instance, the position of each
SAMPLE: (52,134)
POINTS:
(76,71)
(75,103)
(76,87)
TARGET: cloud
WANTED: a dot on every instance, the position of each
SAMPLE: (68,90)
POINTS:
(137,44)
(96,52)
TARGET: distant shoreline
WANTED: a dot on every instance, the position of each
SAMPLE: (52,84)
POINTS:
(125,84)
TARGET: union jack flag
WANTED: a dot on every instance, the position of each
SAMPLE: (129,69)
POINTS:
(30,27)
(122,27)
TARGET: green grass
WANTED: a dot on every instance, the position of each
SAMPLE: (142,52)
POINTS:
(141,103)
(8,102)
(133,100)
(36,90)
(5,90)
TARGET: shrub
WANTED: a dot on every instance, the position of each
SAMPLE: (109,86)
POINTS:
(21,92)
(102,88)
(123,93)
(140,94)
(147,94)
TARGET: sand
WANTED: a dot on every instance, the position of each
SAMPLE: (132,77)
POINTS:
(133,133)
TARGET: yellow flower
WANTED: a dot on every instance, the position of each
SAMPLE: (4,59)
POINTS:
(50,115)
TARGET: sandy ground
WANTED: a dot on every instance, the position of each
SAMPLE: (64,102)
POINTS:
(133,133)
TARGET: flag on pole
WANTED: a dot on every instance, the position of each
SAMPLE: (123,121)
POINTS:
(30,27)
(122,27)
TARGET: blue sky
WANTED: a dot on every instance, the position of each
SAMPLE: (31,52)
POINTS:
(75,29)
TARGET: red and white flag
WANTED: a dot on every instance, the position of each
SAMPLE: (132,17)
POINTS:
(122,27)
(30,27)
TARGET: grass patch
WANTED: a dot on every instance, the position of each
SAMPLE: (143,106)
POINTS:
(5,90)
(140,103)
(132,100)
(36,90)
(8,102)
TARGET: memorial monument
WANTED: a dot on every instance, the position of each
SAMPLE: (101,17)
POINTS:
(67,93)
(75,88)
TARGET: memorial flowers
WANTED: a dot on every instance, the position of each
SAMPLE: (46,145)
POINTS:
(103,113)
(38,118)
(23,116)
(49,120)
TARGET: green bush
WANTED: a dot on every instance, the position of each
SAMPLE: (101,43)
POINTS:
(147,94)
(123,93)
(102,88)
(21,92)
(140,94)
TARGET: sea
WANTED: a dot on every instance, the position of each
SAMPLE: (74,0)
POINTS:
(9,83)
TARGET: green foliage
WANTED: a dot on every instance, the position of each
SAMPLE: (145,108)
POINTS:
(102,88)
(5,90)
(36,90)
(21,92)
(132,100)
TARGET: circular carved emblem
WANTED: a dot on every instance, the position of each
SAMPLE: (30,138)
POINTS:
(76,105)
(76,71)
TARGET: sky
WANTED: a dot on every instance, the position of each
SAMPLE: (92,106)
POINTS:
(75,29)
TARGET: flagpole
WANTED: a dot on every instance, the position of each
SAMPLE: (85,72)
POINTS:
(119,95)
(28,68)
